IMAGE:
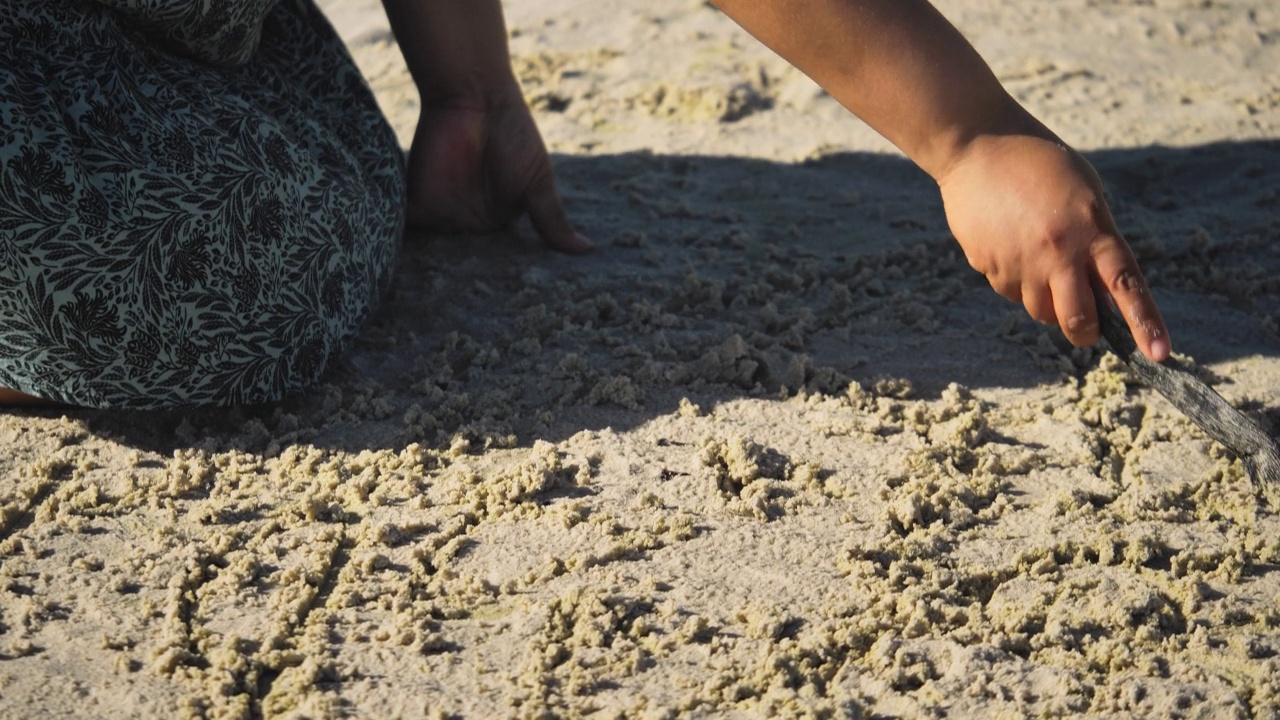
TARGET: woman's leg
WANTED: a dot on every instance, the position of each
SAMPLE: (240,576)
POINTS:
(179,234)
(13,398)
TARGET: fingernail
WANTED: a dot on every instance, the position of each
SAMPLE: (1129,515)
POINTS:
(1160,348)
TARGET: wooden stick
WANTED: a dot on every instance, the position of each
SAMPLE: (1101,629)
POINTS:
(1206,408)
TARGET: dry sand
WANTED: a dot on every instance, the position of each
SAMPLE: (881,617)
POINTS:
(773,451)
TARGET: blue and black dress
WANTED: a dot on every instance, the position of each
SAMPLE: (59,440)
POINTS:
(200,201)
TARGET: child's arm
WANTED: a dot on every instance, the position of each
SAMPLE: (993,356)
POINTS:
(477,161)
(1027,210)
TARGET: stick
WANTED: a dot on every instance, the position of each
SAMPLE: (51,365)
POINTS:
(1206,408)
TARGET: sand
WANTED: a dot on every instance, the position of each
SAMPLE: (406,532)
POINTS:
(774,450)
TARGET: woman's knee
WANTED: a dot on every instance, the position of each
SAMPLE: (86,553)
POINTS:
(13,398)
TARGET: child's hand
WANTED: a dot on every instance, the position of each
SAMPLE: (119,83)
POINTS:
(1030,215)
(477,166)
(1028,212)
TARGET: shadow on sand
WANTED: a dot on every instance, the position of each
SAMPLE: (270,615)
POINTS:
(720,278)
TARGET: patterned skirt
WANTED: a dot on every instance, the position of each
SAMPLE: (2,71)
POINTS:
(200,201)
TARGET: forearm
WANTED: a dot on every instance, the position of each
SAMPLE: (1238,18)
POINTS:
(896,64)
(456,50)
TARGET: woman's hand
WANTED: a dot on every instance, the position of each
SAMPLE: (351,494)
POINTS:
(477,165)
(477,162)
(1030,215)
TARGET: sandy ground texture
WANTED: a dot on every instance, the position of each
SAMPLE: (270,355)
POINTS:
(774,450)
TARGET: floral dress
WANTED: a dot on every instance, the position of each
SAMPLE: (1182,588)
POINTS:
(200,202)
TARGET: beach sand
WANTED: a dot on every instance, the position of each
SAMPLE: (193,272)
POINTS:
(773,450)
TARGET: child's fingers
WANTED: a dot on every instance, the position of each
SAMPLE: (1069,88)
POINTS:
(1118,272)
(1038,301)
(1074,305)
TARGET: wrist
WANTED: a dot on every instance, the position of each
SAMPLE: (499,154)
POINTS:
(480,94)
(1005,119)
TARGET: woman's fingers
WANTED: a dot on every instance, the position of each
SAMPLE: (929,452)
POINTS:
(1118,272)
(546,212)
